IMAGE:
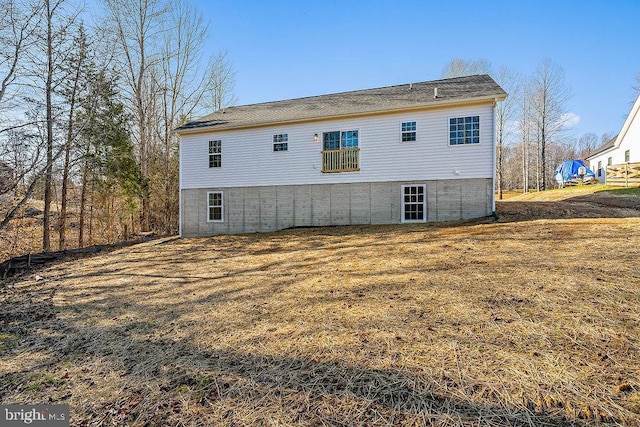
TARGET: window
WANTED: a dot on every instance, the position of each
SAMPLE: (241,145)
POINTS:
(215,154)
(340,140)
(280,142)
(464,130)
(414,203)
(600,168)
(610,161)
(408,131)
(214,204)
(627,156)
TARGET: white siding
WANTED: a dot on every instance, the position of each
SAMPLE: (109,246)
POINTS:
(248,158)
(629,139)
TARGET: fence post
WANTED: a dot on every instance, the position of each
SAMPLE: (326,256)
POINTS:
(626,174)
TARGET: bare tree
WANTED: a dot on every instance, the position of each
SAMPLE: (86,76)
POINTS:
(50,10)
(23,170)
(17,33)
(606,137)
(162,44)
(222,83)
(505,112)
(19,154)
(526,127)
(549,94)
(181,88)
(77,74)
(139,28)
(460,67)
(587,144)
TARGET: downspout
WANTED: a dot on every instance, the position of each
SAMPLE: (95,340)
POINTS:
(493,159)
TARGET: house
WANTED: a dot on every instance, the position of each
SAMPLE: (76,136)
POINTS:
(623,148)
(410,153)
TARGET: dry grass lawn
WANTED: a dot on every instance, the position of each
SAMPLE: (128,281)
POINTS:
(532,320)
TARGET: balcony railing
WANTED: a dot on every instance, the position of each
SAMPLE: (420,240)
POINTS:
(341,160)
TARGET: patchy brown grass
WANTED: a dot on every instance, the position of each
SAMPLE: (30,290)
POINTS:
(532,320)
(23,234)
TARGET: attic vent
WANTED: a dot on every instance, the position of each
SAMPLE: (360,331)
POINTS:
(435,92)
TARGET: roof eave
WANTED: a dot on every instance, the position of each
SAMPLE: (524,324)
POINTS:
(444,104)
(601,152)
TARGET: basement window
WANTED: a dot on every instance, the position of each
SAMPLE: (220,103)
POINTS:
(414,203)
(215,207)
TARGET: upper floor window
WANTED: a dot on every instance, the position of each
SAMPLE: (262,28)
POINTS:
(280,142)
(464,130)
(627,156)
(408,131)
(340,140)
(215,154)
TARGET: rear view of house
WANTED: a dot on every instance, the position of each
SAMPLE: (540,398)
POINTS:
(410,153)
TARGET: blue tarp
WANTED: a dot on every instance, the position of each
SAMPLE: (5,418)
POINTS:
(569,173)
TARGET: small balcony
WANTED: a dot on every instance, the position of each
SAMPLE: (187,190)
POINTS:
(346,160)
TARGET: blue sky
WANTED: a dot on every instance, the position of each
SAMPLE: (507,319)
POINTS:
(289,49)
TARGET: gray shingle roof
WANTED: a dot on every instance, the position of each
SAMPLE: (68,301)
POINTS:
(390,98)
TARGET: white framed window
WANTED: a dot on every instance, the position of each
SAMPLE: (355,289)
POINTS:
(600,168)
(280,142)
(215,154)
(464,130)
(414,203)
(215,206)
(407,131)
(340,140)
(627,156)
(610,161)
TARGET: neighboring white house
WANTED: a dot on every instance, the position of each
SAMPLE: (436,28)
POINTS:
(624,148)
(410,153)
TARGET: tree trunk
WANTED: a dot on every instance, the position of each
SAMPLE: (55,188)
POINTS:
(46,239)
(525,166)
(499,174)
(543,159)
(63,204)
(91,219)
(83,200)
(67,155)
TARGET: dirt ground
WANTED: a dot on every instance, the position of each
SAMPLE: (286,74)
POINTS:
(530,320)
(571,203)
